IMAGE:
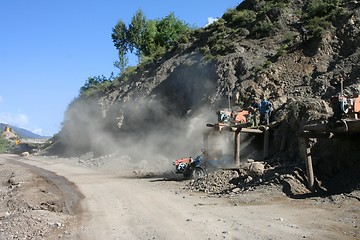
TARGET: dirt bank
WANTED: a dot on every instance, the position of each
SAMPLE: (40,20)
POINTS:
(35,203)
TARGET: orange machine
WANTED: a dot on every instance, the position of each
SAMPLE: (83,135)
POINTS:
(191,168)
(356,107)
(344,107)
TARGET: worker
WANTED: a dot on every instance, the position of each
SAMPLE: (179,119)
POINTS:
(254,111)
(265,109)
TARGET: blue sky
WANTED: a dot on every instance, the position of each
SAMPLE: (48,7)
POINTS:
(48,49)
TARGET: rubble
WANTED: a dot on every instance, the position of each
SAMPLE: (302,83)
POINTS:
(228,181)
(215,182)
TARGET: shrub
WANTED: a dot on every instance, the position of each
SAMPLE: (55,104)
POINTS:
(288,38)
(228,16)
(267,64)
(282,50)
(263,29)
(205,50)
(241,18)
(244,18)
(94,85)
(127,73)
(220,23)
(320,14)
(317,26)
(322,7)
(266,6)
(218,48)
(209,58)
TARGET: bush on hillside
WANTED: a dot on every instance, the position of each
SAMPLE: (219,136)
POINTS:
(240,18)
(319,15)
(94,85)
(263,29)
(127,73)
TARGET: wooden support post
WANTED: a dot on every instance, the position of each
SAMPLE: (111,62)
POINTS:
(284,138)
(309,166)
(206,140)
(266,142)
(283,142)
(237,147)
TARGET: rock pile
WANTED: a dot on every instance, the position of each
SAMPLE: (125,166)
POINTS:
(226,181)
(215,183)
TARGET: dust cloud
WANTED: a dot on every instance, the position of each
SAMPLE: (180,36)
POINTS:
(146,136)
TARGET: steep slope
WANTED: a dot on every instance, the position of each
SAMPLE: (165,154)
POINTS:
(256,49)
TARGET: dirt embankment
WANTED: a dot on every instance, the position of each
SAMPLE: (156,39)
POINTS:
(35,203)
(121,203)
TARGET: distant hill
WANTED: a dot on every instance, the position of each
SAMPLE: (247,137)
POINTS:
(23,133)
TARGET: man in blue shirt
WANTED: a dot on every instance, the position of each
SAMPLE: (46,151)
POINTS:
(265,111)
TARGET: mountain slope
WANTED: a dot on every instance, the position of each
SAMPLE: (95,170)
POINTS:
(23,133)
(265,56)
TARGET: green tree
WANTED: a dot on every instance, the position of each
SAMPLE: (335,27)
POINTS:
(123,61)
(170,29)
(148,44)
(120,39)
(150,39)
(136,32)
(119,36)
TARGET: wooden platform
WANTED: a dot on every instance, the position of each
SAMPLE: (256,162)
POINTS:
(242,128)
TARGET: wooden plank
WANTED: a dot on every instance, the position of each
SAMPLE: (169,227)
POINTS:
(251,130)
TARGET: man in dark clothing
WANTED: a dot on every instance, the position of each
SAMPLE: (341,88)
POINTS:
(253,109)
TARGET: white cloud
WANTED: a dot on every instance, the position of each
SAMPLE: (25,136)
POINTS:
(211,21)
(18,120)
(1,99)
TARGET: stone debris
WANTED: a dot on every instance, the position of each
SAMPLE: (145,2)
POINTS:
(215,182)
(248,177)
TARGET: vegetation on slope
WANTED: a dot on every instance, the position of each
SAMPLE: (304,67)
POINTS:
(251,19)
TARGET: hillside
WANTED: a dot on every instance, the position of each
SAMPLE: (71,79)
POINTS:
(160,110)
(23,133)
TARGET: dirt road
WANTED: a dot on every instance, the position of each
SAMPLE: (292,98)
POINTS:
(119,205)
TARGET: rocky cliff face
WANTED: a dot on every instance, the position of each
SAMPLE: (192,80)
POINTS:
(172,98)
